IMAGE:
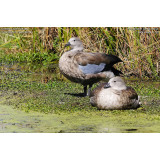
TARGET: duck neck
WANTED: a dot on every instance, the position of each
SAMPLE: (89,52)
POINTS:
(78,48)
(120,88)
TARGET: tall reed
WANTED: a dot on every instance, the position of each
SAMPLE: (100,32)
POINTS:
(137,47)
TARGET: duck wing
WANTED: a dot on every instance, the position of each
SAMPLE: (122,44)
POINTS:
(131,93)
(92,63)
(92,68)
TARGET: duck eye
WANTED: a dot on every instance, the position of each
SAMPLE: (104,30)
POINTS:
(74,40)
(114,81)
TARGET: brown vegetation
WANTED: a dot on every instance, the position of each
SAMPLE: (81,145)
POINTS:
(137,47)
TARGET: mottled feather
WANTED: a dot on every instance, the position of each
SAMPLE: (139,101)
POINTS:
(130,92)
(97,90)
(86,68)
(115,96)
(83,58)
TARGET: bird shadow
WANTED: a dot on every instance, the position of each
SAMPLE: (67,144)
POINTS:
(76,94)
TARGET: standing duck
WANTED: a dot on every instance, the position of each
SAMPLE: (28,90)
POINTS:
(114,95)
(86,68)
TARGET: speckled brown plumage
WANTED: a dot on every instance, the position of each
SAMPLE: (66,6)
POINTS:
(84,58)
(93,94)
(71,65)
(110,98)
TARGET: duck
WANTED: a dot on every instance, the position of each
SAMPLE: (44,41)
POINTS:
(114,95)
(86,68)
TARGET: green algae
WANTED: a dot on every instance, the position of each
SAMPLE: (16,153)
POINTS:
(13,120)
(30,104)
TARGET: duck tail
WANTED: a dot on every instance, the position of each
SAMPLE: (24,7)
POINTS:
(116,72)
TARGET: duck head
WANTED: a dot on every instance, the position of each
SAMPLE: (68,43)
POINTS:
(116,83)
(75,43)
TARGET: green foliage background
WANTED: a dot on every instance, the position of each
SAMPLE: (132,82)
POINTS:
(138,47)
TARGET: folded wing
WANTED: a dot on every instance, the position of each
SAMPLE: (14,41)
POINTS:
(92,63)
(92,68)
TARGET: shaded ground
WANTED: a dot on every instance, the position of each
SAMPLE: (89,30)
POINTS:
(36,102)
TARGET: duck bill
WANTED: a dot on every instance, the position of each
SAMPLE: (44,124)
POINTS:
(68,44)
(107,85)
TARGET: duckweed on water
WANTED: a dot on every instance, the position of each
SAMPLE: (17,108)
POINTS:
(54,96)
(75,114)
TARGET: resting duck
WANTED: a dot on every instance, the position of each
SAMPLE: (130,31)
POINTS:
(86,68)
(114,95)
